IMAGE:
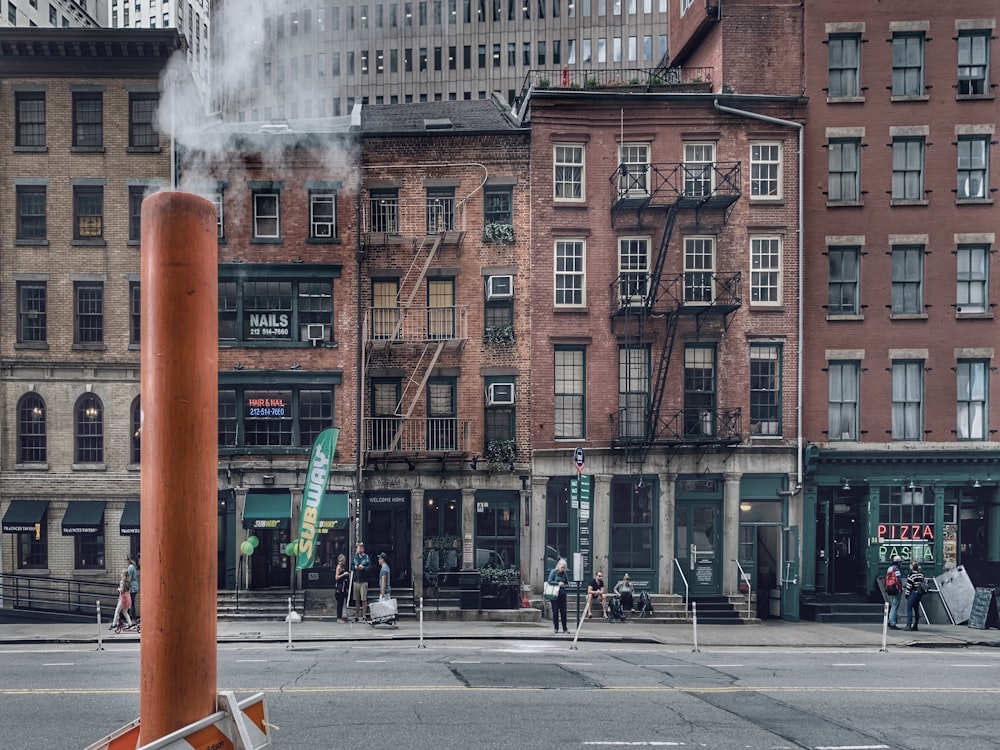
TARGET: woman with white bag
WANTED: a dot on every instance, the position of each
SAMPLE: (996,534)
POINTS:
(558,577)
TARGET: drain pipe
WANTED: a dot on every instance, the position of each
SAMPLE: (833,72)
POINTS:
(798,384)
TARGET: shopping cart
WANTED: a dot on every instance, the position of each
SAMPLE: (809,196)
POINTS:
(383,612)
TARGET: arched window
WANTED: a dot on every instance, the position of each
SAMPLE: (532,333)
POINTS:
(135,424)
(31,444)
(89,430)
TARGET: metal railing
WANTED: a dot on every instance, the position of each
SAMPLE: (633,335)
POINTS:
(64,596)
(687,589)
(391,217)
(746,580)
(417,324)
(416,434)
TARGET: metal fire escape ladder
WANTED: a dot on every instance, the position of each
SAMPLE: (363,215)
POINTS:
(413,387)
(423,256)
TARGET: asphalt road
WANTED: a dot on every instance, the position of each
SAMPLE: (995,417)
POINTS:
(536,694)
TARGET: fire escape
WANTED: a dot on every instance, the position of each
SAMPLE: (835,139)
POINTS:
(648,304)
(411,330)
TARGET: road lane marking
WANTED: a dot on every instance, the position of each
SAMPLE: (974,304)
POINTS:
(59,664)
(638,743)
(246,661)
(848,664)
(370,661)
(852,747)
(465,661)
(987,666)
(720,666)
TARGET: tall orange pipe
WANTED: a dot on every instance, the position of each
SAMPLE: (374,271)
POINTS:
(179,388)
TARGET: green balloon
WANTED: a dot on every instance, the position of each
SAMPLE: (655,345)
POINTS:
(254,541)
(246,548)
(292,548)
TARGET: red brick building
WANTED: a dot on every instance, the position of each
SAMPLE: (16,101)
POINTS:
(900,295)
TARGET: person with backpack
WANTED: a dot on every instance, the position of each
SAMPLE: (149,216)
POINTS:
(894,590)
(913,591)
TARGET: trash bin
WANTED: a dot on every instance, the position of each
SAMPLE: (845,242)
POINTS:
(468,590)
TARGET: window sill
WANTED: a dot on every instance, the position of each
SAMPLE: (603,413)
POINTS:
(324,241)
(845,100)
(133,243)
(90,467)
(557,203)
(766,308)
(265,240)
(766,201)
(89,243)
(973,201)
(767,437)
(973,315)
(973,97)
(86,149)
(31,467)
(845,204)
(143,150)
(36,345)
(133,347)
(30,149)
(577,310)
(846,317)
(908,316)
(89,347)
(909,202)
(911,98)
(31,243)
(30,571)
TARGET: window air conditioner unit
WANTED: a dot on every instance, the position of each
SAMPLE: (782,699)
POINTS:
(500,394)
(322,229)
(499,287)
(315,332)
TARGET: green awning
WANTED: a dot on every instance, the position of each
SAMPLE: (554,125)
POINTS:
(84,517)
(267,510)
(334,512)
(129,525)
(24,515)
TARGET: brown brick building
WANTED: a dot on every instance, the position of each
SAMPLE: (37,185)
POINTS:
(81,150)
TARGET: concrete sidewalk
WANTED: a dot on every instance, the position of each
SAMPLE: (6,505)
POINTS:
(769,633)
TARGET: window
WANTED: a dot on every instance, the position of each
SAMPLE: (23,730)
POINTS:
(972,404)
(266,218)
(384,422)
(633,176)
(908,169)
(699,169)
(844,66)
(558,491)
(134,311)
(633,391)
(136,194)
(277,311)
(31,212)
(88,212)
(570,273)
(973,62)
(842,398)
(907,279)
(765,270)
(440,309)
(32,447)
(498,205)
(499,417)
(499,310)
(633,527)
(907,400)
(497,527)
(88,550)
(385,309)
(973,165)
(440,210)
(135,431)
(88,120)
(844,171)
(88,302)
(30,113)
(33,547)
(633,270)
(322,215)
(765,170)
(843,264)
(442,410)
(280,416)
(700,398)
(765,389)
(699,270)
(972,279)
(32,321)
(89,437)
(383,206)
(220,213)
(906,505)
(908,64)
(570,392)
(142,121)
(568,175)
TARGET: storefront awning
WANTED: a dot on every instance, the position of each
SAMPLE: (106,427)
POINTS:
(333,514)
(129,525)
(84,517)
(23,515)
(271,510)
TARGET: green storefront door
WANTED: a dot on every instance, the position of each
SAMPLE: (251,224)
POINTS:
(698,541)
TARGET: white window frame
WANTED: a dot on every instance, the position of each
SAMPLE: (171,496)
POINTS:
(633,270)
(259,216)
(569,172)
(908,400)
(633,177)
(972,279)
(699,277)
(220,214)
(972,406)
(699,169)
(973,167)
(766,171)
(766,269)
(322,198)
(563,273)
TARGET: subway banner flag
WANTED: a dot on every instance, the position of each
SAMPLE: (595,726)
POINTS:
(312,496)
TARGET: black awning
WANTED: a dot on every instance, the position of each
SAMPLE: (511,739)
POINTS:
(24,515)
(84,517)
(129,525)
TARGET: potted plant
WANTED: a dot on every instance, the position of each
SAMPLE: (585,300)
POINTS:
(499,335)
(499,233)
(501,454)
(500,587)
(543,83)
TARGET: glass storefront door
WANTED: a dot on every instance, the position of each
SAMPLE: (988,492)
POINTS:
(698,545)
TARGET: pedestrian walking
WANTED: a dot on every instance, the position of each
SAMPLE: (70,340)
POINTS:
(384,589)
(361,564)
(133,572)
(913,591)
(559,604)
(341,578)
(894,589)
(124,600)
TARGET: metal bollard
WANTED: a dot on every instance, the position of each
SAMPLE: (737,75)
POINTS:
(694,623)
(885,629)
(420,643)
(100,628)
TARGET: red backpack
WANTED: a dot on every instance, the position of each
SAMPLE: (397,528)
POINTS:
(892,581)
